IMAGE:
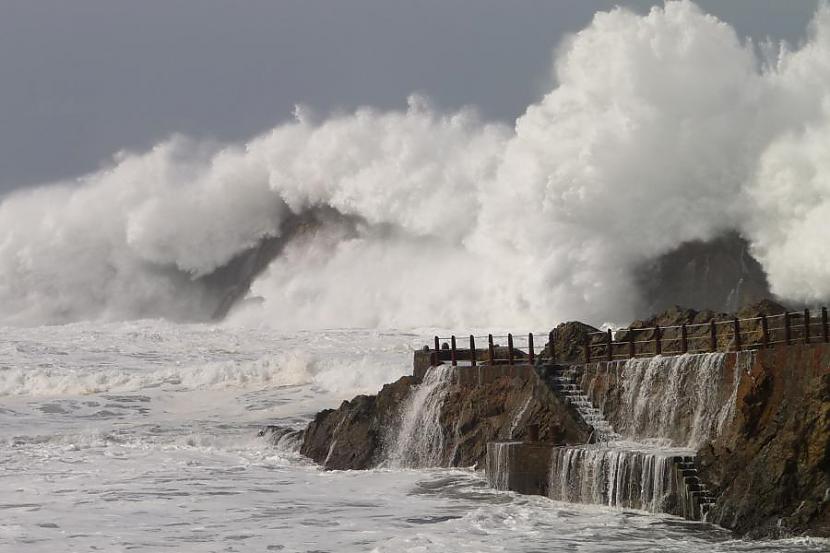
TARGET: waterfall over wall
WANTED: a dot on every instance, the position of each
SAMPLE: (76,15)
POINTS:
(419,440)
(500,459)
(657,412)
(679,401)
(617,477)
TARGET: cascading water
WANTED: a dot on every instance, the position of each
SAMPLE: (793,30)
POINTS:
(419,441)
(679,400)
(617,477)
(657,405)
(498,472)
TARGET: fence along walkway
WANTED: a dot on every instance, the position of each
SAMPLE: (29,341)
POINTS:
(626,343)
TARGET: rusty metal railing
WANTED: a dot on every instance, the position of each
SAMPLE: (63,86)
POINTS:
(627,343)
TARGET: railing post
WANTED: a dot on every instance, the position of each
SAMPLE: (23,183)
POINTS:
(453,355)
(825,330)
(631,351)
(552,347)
(684,338)
(472,351)
(510,349)
(736,328)
(491,349)
(713,336)
(587,346)
(658,345)
(788,332)
(806,326)
(609,341)
(765,331)
(531,355)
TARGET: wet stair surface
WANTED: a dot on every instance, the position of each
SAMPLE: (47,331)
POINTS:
(703,498)
(563,381)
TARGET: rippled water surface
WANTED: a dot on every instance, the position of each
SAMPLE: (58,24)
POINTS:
(143,437)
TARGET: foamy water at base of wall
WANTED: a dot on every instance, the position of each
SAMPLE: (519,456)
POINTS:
(142,437)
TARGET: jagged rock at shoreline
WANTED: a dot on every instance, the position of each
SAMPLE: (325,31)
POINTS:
(282,436)
(351,436)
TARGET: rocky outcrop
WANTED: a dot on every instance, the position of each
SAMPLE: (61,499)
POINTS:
(719,274)
(282,436)
(568,340)
(770,469)
(228,284)
(352,436)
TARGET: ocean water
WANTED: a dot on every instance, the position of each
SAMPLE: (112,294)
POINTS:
(142,436)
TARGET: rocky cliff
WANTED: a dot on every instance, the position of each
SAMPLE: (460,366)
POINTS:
(770,468)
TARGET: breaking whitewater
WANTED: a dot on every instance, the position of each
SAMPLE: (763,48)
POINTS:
(152,307)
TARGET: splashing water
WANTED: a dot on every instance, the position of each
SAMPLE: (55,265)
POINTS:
(419,440)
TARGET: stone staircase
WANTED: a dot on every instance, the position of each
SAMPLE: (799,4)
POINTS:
(564,381)
(702,499)
(565,384)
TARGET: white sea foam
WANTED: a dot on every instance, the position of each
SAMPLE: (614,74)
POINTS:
(154,355)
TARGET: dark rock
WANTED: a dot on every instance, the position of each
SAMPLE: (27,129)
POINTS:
(719,274)
(351,436)
(569,340)
(282,436)
(771,467)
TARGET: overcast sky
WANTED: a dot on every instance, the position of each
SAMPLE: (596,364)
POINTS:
(82,79)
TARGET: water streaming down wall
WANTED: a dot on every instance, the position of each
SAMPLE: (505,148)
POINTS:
(517,417)
(679,401)
(619,477)
(419,440)
(656,406)
(499,464)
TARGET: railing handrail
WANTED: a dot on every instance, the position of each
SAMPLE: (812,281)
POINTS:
(662,338)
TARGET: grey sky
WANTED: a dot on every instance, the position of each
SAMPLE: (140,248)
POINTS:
(82,79)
